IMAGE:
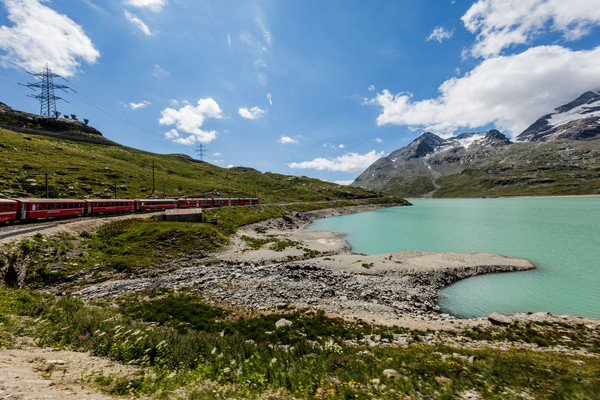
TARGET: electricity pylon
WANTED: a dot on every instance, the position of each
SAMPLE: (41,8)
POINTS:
(201,151)
(47,87)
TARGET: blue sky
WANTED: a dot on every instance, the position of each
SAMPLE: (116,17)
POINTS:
(318,88)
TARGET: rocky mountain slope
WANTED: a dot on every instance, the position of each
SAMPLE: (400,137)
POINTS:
(577,120)
(558,154)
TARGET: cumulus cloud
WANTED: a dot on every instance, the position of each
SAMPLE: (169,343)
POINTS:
(439,34)
(349,162)
(42,36)
(510,91)
(136,106)
(154,5)
(287,139)
(344,183)
(253,113)
(378,140)
(499,24)
(189,120)
(138,23)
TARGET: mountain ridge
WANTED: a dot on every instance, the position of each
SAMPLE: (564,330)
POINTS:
(549,151)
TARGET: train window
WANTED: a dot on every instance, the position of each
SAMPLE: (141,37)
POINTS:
(4,207)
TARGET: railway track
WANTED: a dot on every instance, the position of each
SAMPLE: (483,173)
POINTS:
(4,233)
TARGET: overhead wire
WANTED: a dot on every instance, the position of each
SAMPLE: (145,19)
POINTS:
(97,103)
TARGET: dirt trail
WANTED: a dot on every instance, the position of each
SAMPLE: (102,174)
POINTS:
(33,373)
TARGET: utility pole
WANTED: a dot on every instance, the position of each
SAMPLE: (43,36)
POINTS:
(47,87)
(152,179)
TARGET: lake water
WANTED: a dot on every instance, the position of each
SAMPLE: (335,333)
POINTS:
(560,235)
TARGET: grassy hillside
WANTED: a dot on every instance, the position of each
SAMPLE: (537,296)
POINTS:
(86,170)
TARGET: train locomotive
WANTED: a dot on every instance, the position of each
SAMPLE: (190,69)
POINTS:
(33,209)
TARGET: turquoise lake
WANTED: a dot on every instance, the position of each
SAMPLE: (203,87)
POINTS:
(560,235)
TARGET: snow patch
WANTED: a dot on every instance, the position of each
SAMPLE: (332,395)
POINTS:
(579,112)
(467,142)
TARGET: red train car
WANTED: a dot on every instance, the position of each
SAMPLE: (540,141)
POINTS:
(45,208)
(97,206)
(248,201)
(8,210)
(154,204)
(196,203)
(221,202)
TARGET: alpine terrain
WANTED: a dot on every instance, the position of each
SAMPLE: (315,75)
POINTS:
(558,154)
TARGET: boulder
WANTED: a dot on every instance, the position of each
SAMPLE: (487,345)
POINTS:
(282,322)
(499,319)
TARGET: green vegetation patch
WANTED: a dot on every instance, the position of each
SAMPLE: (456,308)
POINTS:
(543,334)
(127,246)
(308,359)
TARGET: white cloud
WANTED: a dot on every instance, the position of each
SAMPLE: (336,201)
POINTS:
(42,36)
(138,23)
(287,139)
(439,34)
(349,162)
(159,73)
(135,106)
(510,91)
(94,6)
(378,140)
(502,23)
(371,88)
(343,183)
(189,121)
(253,113)
(154,5)
(334,146)
(217,154)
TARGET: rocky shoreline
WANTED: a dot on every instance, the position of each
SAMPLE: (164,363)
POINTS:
(318,270)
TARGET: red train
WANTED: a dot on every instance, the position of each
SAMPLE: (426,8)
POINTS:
(31,209)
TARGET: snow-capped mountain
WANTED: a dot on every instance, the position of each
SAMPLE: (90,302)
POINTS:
(429,157)
(558,154)
(577,120)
